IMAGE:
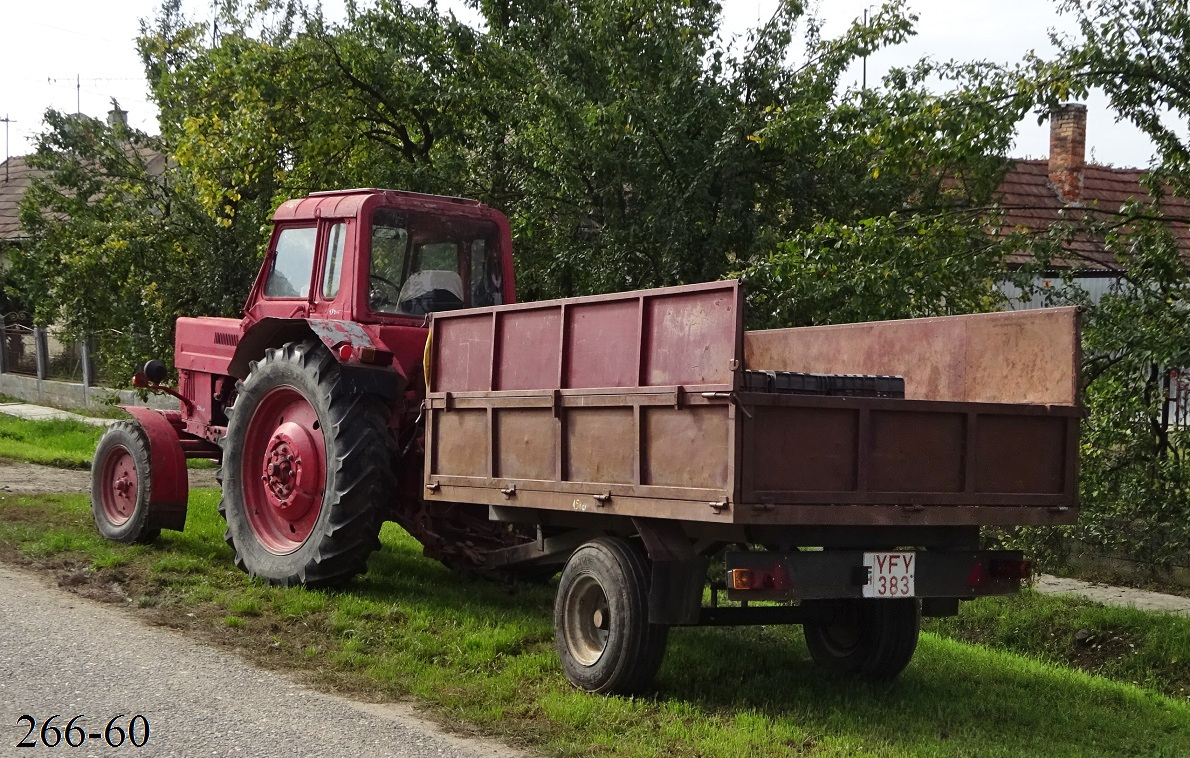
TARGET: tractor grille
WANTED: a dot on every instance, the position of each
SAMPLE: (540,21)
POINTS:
(228,339)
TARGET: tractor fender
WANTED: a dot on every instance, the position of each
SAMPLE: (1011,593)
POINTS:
(385,381)
(169,483)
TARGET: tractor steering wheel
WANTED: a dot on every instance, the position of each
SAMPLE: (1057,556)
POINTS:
(377,296)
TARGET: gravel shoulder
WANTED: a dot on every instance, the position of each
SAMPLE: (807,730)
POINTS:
(62,654)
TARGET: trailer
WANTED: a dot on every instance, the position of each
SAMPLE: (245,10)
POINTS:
(676,469)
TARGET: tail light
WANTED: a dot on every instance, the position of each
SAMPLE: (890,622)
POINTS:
(741,579)
(999,569)
(774,577)
(1010,568)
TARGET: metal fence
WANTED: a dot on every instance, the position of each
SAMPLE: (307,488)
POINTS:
(19,350)
(64,359)
(45,354)
(1177,389)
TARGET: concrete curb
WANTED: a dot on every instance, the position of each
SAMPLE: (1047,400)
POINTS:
(41,413)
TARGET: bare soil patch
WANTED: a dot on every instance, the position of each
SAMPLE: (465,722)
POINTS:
(26,478)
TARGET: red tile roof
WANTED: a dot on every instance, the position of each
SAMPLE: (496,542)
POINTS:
(12,188)
(20,175)
(1030,201)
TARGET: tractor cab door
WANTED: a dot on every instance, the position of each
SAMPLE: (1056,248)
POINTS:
(285,284)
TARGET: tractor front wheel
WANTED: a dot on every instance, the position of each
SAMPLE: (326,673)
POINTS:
(306,470)
(121,483)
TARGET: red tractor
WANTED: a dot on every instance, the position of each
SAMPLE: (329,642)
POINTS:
(311,401)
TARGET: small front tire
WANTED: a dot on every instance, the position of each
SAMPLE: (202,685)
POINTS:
(121,482)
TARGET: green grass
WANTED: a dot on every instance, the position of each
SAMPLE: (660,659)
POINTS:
(1125,644)
(63,443)
(481,658)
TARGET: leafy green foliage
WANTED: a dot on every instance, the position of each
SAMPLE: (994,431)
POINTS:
(877,268)
(118,247)
(1135,467)
(630,145)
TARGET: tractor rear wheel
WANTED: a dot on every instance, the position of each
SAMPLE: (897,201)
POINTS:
(121,480)
(307,471)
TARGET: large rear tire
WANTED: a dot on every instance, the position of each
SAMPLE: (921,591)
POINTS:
(307,470)
(870,639)
(121,481)
(601,619)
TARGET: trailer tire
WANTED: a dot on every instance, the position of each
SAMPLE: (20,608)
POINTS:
(307,470)
(121,482)
(871,639)
(601,619)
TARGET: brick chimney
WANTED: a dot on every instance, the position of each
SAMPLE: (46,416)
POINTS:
(117,116)
(1068,146)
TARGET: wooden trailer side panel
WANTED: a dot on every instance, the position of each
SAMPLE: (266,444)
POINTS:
(590,403)
(812,459)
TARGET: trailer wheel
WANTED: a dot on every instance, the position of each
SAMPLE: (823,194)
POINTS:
(872,639)
(306,470)
(120,484)
(601,619)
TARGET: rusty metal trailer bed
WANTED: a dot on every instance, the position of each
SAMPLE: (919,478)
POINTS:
(632,404)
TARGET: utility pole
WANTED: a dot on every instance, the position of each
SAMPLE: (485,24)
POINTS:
(6,121)
(864,84)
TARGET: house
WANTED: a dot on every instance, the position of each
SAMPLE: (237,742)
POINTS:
(15,177)
(1036,194)
(26,349)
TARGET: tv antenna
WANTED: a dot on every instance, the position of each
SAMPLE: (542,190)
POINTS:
(78,85)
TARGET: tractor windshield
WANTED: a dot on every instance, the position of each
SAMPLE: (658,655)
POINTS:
(422,263)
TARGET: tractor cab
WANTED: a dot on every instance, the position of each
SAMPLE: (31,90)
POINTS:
(382,257)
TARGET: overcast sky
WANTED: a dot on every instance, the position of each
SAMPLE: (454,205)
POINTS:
(79,54)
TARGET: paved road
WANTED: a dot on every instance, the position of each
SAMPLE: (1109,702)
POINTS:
(1109,595)
(60,653)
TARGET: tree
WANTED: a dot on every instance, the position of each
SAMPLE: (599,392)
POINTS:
(1135,475)
(630,145)
(117,246)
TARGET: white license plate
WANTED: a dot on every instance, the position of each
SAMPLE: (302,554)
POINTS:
(890,574)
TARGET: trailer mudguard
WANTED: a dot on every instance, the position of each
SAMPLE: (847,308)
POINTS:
(169,484)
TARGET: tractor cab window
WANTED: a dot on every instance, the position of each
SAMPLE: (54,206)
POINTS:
(423,263)
(292,264)
(334,261)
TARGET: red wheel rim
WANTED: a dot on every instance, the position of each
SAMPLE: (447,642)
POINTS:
(119,486)
(282,470)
